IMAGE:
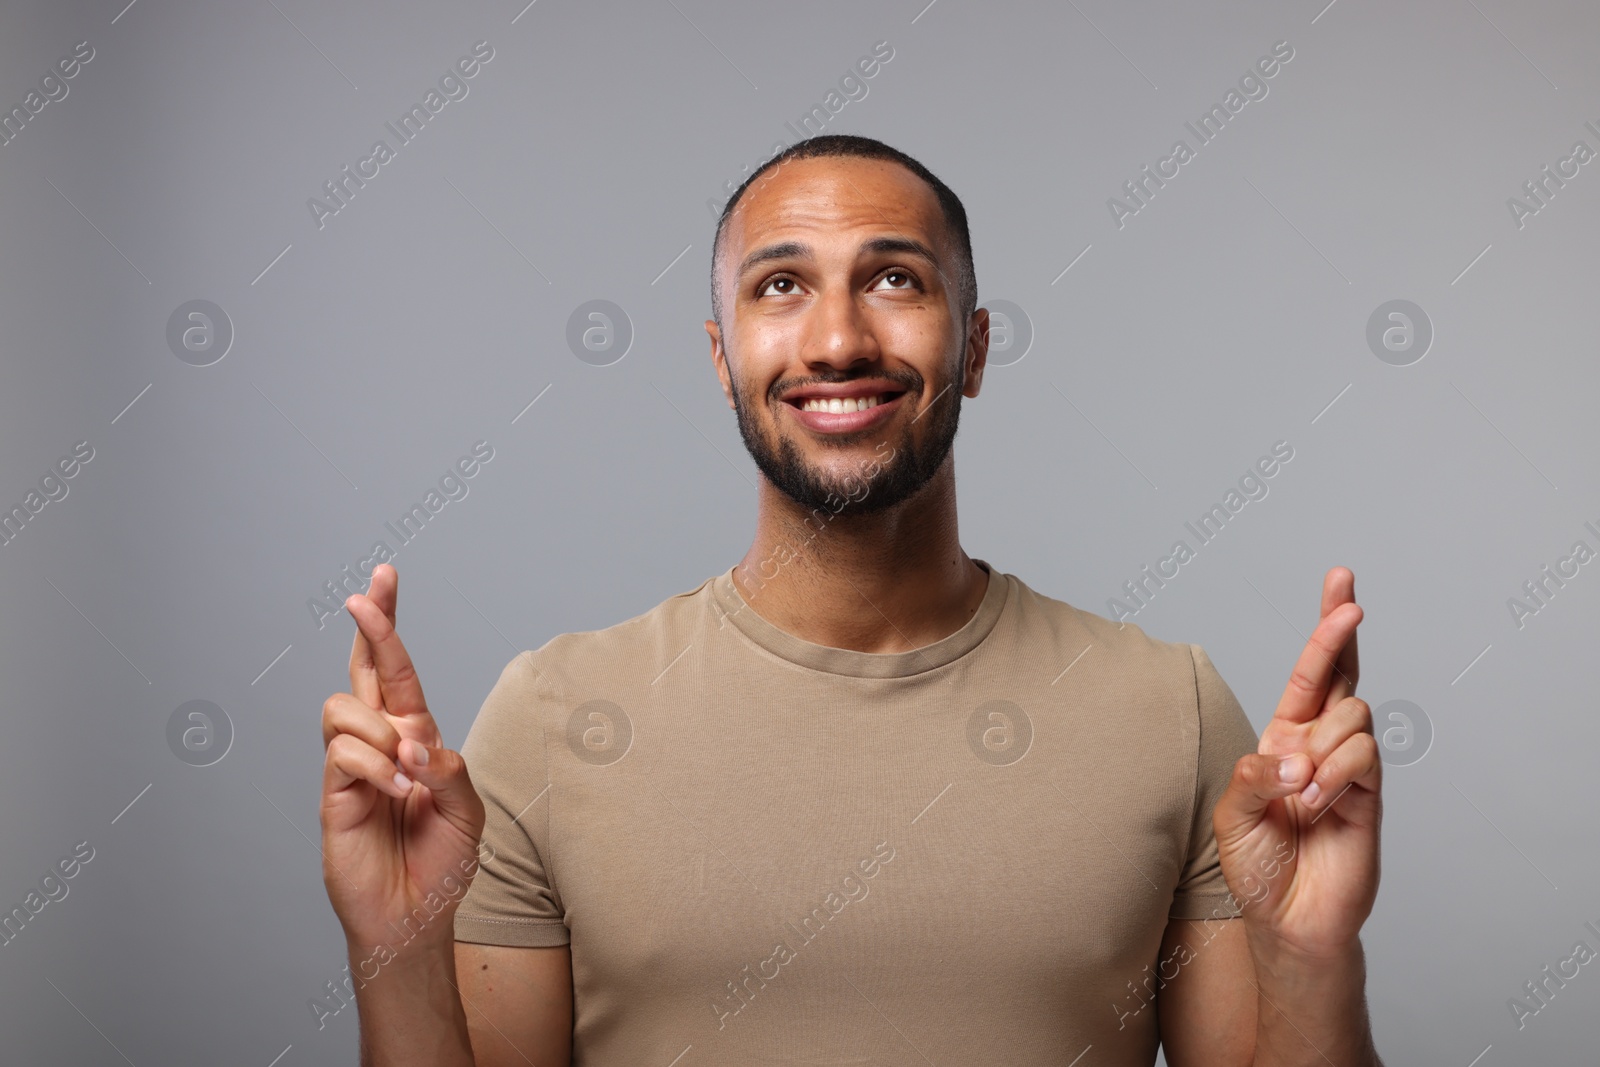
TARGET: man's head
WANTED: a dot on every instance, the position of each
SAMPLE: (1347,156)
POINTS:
(842,272)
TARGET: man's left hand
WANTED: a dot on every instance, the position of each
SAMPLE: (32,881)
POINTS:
(1297,829)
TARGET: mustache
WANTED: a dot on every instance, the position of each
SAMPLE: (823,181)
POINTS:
(909,380)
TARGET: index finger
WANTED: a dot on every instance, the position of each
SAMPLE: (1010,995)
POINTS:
(1306,694)
(384,592)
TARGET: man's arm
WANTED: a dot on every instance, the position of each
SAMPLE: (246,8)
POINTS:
(1207,1010)
(1312,1010)
(518,1004)
(470,1006)
(401,823)
(1297,840)
(410,1012)
(1229,1006)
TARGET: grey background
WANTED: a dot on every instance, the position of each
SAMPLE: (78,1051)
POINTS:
(1230,313)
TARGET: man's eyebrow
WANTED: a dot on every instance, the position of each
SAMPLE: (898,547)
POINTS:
(906,245)
(796,250)
(784,250)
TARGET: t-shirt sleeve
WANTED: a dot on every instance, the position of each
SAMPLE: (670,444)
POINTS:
(512,900)
(1225,735)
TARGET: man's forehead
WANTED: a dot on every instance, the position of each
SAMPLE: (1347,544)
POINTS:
(809,198)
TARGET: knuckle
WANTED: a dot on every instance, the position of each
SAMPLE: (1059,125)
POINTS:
(1301,681)
(345,748)
(1247,770)
(1351,757)
(448,762)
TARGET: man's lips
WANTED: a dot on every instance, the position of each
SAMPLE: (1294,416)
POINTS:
(844,408)
(854,388)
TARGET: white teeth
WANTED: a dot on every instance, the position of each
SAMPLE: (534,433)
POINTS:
(836,406)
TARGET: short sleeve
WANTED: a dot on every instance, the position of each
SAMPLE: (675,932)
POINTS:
(512,900)
(1225,735)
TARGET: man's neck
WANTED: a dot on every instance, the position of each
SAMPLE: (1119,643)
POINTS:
(888,581)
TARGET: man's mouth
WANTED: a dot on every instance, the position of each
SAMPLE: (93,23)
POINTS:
(838,405)
(844,407)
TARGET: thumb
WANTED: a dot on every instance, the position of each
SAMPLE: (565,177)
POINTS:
(444,772)
(1258,780)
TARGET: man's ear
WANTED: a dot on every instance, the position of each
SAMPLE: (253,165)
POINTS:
(719,359)
(975,357)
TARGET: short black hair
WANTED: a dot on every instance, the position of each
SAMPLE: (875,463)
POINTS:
(843,144)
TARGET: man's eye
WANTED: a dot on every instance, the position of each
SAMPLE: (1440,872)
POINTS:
(768,288)
(898,279)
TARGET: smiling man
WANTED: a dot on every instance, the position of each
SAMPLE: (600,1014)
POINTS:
(861,798)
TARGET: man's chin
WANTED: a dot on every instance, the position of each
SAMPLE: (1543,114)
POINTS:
(866,490)
(841,474)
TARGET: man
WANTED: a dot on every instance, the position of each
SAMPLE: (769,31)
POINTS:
(861,798)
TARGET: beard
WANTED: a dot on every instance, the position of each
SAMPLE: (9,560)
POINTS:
(909,468)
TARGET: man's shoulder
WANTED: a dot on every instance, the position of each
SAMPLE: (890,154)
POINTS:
(628,647)
(1076,629)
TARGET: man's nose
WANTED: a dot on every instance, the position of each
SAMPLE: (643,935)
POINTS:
(840,334)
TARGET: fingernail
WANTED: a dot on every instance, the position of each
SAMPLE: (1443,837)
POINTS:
(1311,793)
(419,755)
(1289,768)
(401,781)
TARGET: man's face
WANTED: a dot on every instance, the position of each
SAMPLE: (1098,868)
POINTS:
(841,351)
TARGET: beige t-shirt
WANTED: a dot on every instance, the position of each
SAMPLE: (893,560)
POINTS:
(767,851)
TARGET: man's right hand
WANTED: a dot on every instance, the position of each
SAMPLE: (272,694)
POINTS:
(400,819)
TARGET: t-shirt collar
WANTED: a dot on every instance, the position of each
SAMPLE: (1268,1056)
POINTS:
(735,609)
